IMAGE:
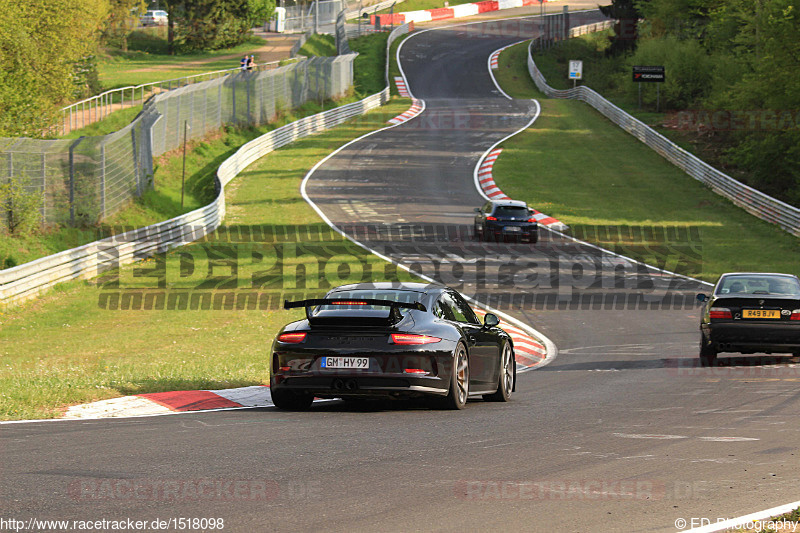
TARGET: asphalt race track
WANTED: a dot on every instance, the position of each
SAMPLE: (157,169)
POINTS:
(622,432)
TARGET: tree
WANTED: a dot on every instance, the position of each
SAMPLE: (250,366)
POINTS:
(213,24)
(626,28)
(41,41)
(22,206)
(122,18)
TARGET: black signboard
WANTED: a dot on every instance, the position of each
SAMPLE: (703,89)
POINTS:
(648,74)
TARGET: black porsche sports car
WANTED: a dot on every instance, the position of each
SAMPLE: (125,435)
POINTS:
(392,341)
(751,312)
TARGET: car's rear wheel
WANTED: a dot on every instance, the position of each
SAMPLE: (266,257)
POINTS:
(478,233)
(708,355)
(534,237)
(459,380)
(505,382)
(289,400)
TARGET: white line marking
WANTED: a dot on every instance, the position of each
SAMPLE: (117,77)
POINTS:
(649,436)
(734,523)
(552,351)
(489,62)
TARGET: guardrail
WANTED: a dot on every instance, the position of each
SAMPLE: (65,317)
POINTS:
(590,28)
(24,282)
(751,200)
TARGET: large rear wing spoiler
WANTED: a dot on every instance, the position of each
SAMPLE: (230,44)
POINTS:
(393,306)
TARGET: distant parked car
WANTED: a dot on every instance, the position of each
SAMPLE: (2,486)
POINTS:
(506,218)
(751,312)
(154,18)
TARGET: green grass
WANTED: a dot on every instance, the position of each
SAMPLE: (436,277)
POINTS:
(394,68)
(113,122)
(319,45)
(577,166)
(203,158)
(370,65)
(151,63)
(416,5)
(63,348)
(164,201)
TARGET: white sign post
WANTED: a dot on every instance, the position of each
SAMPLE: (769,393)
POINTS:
(575,70)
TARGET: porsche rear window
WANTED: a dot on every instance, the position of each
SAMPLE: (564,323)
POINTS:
(391,295)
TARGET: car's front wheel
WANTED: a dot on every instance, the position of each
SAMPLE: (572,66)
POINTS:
(505,382)
(289,400)
(459,380)
(708,354)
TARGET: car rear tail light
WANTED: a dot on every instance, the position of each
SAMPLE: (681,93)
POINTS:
(415,371)
(795,315)
(411,338)
(531,219)
(285,368)
(292,338)
(348,302)
(491,218)
(719,312)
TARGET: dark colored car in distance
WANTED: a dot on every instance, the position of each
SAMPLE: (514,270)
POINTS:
(500,219)
(391,340)
(751,312)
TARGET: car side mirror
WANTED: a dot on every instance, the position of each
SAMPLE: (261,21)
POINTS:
(490,320)
(702,298)
(477,209)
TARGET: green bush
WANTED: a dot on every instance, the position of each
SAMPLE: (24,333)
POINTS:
(688,70)
(21,205)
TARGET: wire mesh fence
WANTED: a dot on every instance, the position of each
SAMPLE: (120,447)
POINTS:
(81,181)
(91,110)
(311,16)
(342,46)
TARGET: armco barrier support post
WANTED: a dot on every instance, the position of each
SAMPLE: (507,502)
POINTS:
(72,180)
(44,187)
(9,207)
(103,177)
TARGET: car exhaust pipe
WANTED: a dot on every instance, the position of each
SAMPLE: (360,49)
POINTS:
(338,384)
(351,384)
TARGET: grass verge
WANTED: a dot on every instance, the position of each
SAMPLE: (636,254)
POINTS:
(319,45)
(148,61)
(416,5)
(370,64)
(65,348)
(113,122)
(577,166)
